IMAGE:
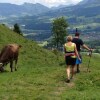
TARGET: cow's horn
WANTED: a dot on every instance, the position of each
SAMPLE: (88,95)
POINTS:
(1,64)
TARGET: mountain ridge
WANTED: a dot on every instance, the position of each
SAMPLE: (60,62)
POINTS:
(84,16)
(77,14)
(8,9)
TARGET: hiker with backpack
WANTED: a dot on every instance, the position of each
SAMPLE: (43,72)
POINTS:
(71,54)
(79,43)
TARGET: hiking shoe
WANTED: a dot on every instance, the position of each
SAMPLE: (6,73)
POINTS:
(67,81)
(78,71)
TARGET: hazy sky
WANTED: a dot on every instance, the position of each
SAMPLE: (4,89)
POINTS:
(48,3)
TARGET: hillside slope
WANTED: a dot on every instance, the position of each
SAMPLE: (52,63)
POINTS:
(29,49)
(41,74)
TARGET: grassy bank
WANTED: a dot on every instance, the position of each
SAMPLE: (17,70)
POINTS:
(41,75)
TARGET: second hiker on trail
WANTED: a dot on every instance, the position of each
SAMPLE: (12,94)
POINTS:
(70,57)
(79,43)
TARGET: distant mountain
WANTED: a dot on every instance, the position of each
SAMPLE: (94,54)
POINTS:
(84,8)
(61,6)
(7,9)
(88,2)
(85,16)
(84,2)
(84,13)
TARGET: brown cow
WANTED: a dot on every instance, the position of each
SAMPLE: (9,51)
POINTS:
(9,54)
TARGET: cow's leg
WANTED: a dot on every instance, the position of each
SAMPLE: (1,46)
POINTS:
(16,64)
(2,69)
(11,66)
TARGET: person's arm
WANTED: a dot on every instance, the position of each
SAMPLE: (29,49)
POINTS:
(76,52)
(86,47)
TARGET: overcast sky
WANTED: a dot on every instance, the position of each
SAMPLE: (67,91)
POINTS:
(48,3)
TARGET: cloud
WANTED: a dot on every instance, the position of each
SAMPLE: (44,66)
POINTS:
(60,2)
(48,3)
(51,3)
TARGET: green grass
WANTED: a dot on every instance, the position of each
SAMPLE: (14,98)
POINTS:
(41,75)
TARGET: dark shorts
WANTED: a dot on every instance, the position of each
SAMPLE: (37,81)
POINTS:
(70,61)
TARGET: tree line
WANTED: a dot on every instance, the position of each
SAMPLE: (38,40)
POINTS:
(59,33)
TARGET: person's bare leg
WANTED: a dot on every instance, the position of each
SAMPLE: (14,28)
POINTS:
(68,73)
(73,71)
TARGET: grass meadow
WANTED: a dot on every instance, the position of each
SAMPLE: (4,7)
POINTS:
(41,74)
(46,81)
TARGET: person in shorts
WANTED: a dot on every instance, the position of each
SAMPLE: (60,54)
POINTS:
(70,57)
(79,43)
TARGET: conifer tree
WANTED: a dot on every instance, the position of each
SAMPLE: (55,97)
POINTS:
(17,28)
